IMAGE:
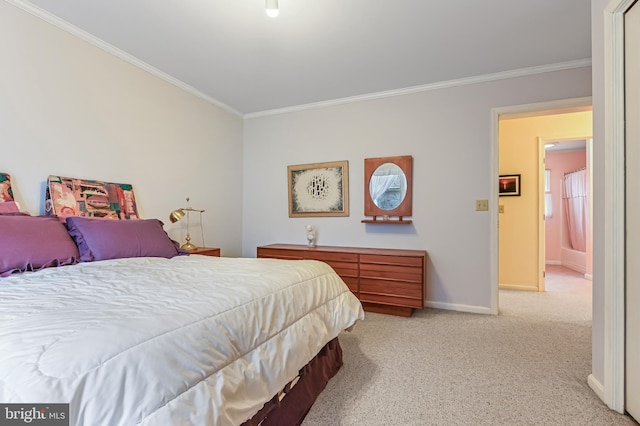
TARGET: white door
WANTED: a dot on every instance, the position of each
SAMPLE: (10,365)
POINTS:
(632,170)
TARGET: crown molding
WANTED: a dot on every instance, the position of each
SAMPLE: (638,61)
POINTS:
(90,38)
(82,34)
(523,72)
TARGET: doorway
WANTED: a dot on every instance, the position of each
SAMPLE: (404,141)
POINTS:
(521,140)
(608,378)
(566,200)
(566,105)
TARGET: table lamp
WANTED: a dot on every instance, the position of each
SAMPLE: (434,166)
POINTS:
(178,214)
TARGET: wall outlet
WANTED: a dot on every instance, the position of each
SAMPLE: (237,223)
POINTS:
(482,205)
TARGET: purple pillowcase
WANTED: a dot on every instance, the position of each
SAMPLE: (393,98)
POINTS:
(9,207)
(30,243)
(114,239)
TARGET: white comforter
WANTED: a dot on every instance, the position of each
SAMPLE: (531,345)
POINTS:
(192,340)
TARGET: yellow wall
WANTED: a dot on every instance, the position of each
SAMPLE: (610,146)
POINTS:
(518,225)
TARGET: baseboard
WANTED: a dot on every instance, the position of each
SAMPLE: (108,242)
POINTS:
(596,387)
(552,262)
(574,267)
(456,307)
(521,287)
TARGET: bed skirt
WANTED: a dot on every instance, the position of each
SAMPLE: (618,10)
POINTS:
(292,404)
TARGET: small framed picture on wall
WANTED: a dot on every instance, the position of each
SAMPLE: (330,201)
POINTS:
(509,185)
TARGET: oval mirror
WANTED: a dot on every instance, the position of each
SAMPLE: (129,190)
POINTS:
(388,183)
(388,186)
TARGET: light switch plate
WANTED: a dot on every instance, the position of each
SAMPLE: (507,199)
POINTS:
(482,205)
(501,208)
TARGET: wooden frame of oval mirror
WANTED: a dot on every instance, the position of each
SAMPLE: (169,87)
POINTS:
(388,189)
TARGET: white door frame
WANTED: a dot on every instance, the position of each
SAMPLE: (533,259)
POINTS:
(542,219)
(561,106)
(542,153)
(614,205)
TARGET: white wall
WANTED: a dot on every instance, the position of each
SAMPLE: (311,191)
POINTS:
(69,108)
(447,131)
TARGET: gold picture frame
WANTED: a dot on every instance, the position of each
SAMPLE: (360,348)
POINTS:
(319,189)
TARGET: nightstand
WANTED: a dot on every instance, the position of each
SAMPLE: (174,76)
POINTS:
(207,251)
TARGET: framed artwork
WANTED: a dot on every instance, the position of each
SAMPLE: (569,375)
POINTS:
(320,189)
(509,185)
(89,198)
(6,194)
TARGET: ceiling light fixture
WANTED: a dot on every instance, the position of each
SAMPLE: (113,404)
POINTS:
(272,8)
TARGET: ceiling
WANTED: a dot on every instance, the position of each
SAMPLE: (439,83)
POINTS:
(577,145)
(323,50)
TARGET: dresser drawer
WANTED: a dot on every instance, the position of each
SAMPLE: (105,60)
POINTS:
(393,300)
(328,256)
(391,287)
(343,263)
(392,260)
(352,283)
(404,273)
(280,254)
(344,269)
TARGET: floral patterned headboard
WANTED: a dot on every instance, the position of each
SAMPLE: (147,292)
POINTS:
(90,198)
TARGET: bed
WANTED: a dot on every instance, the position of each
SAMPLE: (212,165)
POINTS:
(128,336)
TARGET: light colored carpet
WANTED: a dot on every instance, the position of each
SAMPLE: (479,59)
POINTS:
(526,366)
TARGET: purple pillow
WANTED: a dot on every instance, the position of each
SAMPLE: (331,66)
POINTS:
(101,239)
(16,214)
(9,207)
(30,243)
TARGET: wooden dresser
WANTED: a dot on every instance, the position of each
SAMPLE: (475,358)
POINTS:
(389,281)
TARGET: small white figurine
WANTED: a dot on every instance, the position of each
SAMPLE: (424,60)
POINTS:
(311,235)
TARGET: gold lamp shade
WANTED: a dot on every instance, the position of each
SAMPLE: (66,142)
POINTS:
(176,215)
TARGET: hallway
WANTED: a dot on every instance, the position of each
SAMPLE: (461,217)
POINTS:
(561,279)
(567,298)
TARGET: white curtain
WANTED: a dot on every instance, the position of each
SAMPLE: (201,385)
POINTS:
(548,205)
(548,201)
(381,180)
(575,197)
